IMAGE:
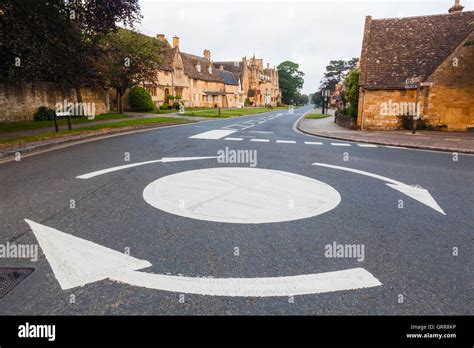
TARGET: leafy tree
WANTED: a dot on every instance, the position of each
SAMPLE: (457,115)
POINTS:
(130,59)
(351,92)
(57,40)
(316,98)
(291,80)
(336,71)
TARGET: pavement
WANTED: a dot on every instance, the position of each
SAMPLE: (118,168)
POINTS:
(292,224)
(430,140)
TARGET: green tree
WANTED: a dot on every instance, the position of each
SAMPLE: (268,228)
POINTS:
(351,92)
(57,40)
(291,80)
(336,71)
(130,59)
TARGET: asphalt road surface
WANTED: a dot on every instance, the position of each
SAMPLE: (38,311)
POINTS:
(198,235)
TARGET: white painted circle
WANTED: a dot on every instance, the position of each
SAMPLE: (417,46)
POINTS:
(241,195)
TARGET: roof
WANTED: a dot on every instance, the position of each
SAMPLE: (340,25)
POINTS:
(228,77)
(235,67)
(168,57)
(190,61)
(397,49)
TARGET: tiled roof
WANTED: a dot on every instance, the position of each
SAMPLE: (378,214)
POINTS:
(234,67)
(398,49)
(228,77)
(190,61)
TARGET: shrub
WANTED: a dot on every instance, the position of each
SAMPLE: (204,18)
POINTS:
(176,105)
(268,106)
(140,100)
(279,104)
(44,114)
(247,102)
(165,106)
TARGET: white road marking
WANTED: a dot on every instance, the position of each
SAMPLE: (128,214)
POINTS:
(367,145)
(340,144)
(213,134)
(260,140)
(261,132)
(419,194)
(114,169)
(241,195)
(234,139)
(313,143)
(286,142)
(77,262)
(262,122)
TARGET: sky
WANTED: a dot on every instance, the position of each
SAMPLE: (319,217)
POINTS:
(310,32)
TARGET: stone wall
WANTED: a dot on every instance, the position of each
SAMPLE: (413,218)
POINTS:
(19,103)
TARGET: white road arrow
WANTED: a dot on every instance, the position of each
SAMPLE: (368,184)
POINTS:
(419,194)
(77,262)
(125,166)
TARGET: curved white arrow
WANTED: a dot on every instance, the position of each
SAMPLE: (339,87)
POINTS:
(77,262)
(131,165)
(421,195)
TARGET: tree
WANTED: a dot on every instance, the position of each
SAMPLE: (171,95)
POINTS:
(57,40)
(336,71)
(130,58)
(316,98)
(351,92)
(290,79)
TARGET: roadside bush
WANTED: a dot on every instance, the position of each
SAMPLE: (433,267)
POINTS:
(247,102)
(176,105)
(140,100)
(268,106)
(279,104)
(421,123)
(165,106)
(44,114)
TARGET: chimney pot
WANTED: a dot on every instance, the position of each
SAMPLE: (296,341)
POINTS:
(457,7)
(160,37)
(175,41)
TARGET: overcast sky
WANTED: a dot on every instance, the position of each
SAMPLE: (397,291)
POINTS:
(310,32)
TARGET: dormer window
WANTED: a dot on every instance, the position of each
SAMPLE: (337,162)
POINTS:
(210,69)
(198,67)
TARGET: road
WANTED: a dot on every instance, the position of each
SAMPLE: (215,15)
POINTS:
(274,218)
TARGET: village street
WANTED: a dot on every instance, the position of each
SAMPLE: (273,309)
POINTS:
(239,216)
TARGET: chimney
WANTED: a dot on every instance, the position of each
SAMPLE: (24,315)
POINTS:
(457,7)
(207,54)
(268,65)
(175,41)
(161,37)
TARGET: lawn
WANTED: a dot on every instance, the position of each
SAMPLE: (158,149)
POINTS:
(126,123)
(316,116)
(171,111)
(27,125)
(231,112)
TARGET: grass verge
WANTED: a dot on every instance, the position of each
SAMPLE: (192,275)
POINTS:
(28,125)
(225,113)
(104,126)
(316,116)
